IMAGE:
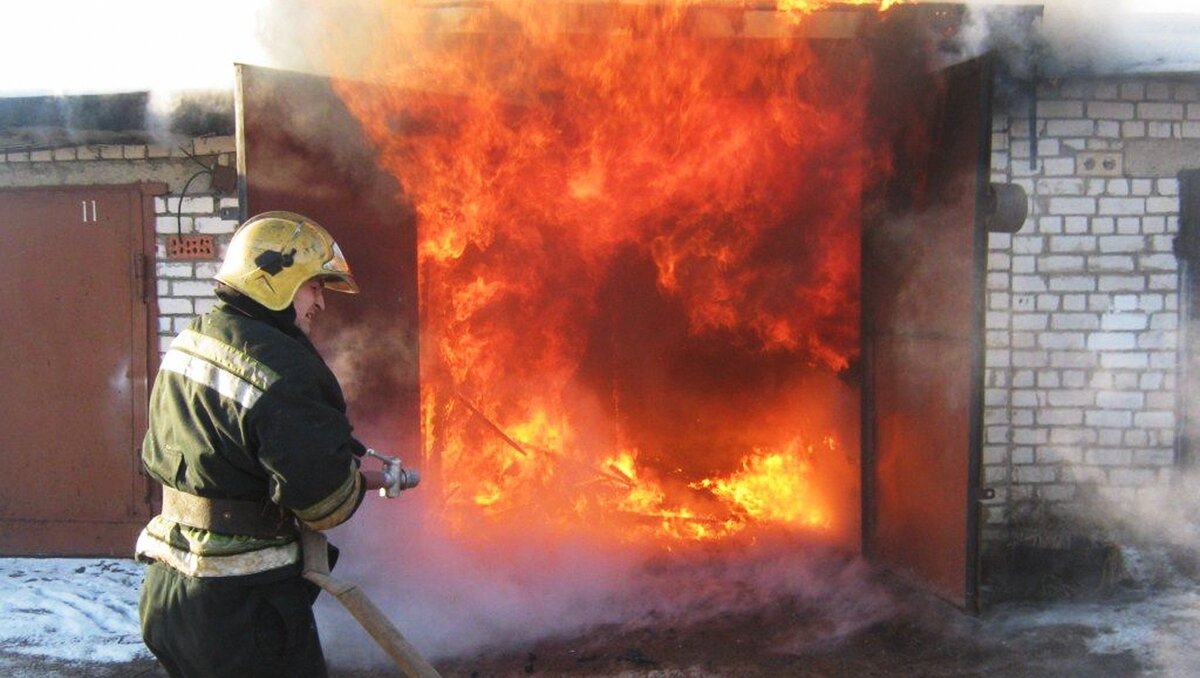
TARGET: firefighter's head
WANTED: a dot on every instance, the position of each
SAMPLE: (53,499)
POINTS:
(274,254)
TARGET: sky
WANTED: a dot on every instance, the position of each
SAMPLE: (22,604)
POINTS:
(78,47)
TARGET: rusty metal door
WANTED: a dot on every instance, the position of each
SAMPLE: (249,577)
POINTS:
(923,282)
(299,149)
(78,313)
(1187,249)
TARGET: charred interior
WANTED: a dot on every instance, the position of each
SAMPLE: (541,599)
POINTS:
(673,275)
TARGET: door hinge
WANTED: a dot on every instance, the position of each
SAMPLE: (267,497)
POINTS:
(142,275)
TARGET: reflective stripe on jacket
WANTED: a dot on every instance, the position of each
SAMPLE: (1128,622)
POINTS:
(244,409)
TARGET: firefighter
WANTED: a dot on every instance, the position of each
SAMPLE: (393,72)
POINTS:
(249,437)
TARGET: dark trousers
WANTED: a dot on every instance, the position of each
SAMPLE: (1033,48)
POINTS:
(235,627)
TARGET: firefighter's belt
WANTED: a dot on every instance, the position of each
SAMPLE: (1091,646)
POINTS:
(265,520)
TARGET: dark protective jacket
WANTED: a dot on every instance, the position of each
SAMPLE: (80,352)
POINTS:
(244,408)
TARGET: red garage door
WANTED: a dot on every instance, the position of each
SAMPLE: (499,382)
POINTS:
(78,309)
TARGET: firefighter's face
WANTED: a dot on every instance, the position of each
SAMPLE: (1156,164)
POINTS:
(308,302)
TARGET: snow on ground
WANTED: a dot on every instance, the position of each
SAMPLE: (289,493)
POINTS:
(1159,630)
(85,610)
(71,609)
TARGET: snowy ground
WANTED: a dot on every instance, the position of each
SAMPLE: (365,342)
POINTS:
(70,609)
(78,617)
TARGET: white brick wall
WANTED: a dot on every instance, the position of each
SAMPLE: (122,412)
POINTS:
(1082,313)
(184,287)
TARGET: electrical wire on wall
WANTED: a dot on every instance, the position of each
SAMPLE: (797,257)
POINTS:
(194,245)
(183,194)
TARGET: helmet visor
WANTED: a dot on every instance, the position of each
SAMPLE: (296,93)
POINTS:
(339,283)
(336,273)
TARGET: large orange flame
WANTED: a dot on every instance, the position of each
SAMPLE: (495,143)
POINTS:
(814,5)
(636,238)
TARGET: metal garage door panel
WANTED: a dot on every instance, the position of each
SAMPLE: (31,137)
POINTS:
(923,277)
(73,360)
(301,150)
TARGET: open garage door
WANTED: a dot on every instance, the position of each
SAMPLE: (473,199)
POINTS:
(923,284)
(299,149)
(922,291)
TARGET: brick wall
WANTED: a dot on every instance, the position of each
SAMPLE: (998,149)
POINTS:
(1083,302)
(184,287)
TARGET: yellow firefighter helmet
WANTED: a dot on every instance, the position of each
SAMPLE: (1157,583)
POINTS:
(274,253)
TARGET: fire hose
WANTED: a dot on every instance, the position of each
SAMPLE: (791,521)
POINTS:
(316,569)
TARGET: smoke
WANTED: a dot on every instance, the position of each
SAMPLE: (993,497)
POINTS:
(370,352)
(176,50)
(1168,513)
(1069,36)
(452,599)
(174,117)
(1152,529)
(1077,37)
(182,58)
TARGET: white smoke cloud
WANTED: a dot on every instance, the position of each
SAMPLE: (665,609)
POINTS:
(144,45)
(451,599)
(1096,36)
